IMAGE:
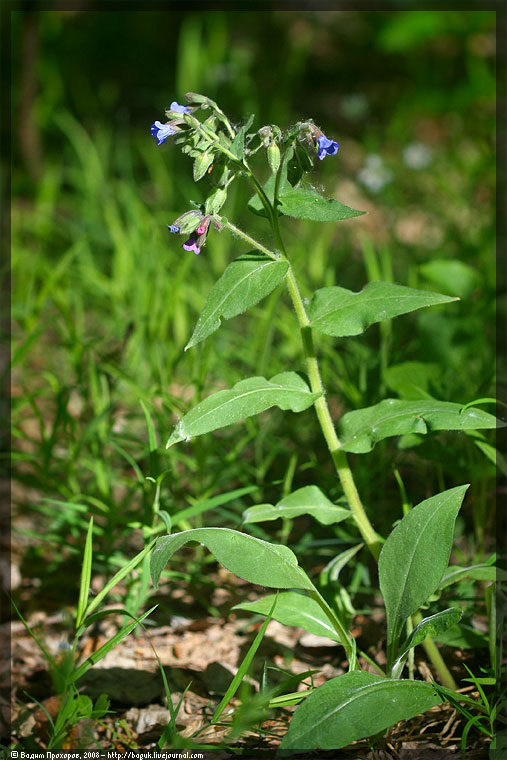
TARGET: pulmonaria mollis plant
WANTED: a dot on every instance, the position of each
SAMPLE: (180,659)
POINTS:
(413,559)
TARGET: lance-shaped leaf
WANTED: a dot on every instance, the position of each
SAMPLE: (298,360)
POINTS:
(294,608)
(286,390)
(339,312)
(480,572)
(309,500)
(415,556)
(433,626)
(254,560)
(302,203)
(353,706)
(361,429)
(244,283)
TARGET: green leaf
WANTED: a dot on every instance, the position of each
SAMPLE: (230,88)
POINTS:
(86,574)
(453,276)
(202,164)
(361,429)
(301,203)
(255,204)
(340,312)
(434,625)
(238,144)
(286,390)
(480,572)
(412,380)
(353,706)
(463,637)
(254,560)
(243,668)
(245,282)
(415,556)
(295,609)
(105,648)
(305,501)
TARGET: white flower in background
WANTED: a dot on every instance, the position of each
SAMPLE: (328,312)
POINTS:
(417,155)
(374,175)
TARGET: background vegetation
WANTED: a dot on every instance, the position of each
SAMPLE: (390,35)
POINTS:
(104,300)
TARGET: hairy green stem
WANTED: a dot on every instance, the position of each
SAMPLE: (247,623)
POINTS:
(236,231)
(346,641)
(326,422)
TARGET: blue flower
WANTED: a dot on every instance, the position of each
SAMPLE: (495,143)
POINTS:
(326,147)
(173,228)
(178,109)
(161,131)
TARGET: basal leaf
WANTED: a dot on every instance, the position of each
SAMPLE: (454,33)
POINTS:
(480,572)
(361,429)
(293,608)
(434,625)
(302,203)
(245,282)
(309,500)
(286,390)
(353,706)
(254,560)
(340,312)
(415,556)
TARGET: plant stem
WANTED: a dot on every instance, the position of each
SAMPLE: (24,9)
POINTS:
(347,643)
(236,231)
(326,422)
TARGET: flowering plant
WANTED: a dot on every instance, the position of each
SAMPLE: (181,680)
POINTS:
(413,559)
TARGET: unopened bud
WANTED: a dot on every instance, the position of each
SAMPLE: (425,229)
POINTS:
(274,157)
(187,222)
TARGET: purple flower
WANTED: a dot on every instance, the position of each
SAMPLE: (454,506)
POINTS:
(192,243)
(173,228)
(178,109)
(198,237)
(161,131)
(326,147)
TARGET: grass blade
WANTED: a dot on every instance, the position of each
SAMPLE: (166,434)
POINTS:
(86,574)
(236,681)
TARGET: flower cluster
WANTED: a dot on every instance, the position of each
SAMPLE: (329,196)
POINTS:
(197,224)
(225,152)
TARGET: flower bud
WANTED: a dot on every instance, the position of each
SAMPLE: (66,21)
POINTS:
(187,222)
(202,164)
(274,157)
(194,97)
(215,201)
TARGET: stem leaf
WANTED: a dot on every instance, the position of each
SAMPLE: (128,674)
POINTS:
(301,203)
(286,390)
(361,429)
(295,609)
(340,312)
(309,500)
(245,282)
(254,560)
